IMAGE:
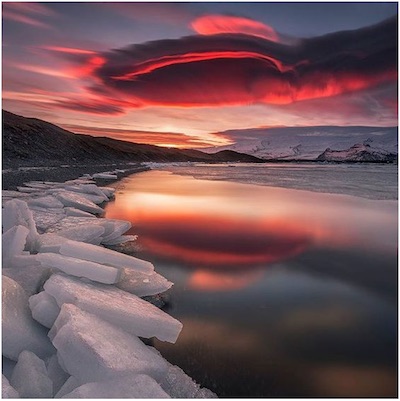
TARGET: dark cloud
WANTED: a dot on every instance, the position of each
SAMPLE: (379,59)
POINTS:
(234,68)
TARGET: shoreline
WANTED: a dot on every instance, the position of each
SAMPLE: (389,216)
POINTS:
(12,178)
(66,278)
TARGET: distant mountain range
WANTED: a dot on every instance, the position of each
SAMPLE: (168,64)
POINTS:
(34,142)
(322,143)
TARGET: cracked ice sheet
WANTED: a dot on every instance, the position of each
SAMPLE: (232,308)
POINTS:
(124,310)
(92,349)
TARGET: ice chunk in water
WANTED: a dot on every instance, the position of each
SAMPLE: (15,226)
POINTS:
(71,211)
(79,181)
(93,198)
(178,384)
(20,331)
(108,191)
(7,391)
(37,184)
(44,308)
(29,189)
(120,227)
(15,213)
(80,202)
(91,233)
(30,278)
(13,243)
(142,284)
(46,202)
(120,240)
(71,384)
(113,305)
(56,373)
(126,386)
(105,176)
(72,222)
(102,255)
(30,378)
(81,268)
(94,350)
(89,189)
(14,194)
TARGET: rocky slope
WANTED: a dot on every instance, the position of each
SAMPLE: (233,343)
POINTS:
(34,142)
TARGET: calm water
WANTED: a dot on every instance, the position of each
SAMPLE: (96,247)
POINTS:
(281,292)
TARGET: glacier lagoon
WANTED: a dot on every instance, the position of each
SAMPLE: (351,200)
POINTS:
(282,292)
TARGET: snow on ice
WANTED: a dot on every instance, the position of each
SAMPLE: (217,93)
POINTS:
(58,275)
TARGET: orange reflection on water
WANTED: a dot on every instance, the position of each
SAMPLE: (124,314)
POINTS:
(223,241)
(227,225)
(207,280)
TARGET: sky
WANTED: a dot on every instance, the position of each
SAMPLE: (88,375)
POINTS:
(180,74)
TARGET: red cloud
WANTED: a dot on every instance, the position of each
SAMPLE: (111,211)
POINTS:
(234,69)
(215,24)
(27,13)
(68,50)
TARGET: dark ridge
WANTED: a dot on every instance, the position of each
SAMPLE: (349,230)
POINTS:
(34,142)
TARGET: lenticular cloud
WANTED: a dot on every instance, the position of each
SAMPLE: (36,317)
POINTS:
(234,63)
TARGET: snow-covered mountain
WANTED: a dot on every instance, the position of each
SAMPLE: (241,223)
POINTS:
(307,143)
(360,152)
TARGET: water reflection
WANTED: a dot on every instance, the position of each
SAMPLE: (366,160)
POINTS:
(282,293)
(220,224)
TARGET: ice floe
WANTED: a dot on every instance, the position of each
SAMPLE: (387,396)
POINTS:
(81,268)
(97,254)
(91,349)
(72,199)
(122,309)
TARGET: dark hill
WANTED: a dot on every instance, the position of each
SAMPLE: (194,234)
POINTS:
(34,142)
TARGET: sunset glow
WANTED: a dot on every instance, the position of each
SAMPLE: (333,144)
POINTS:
(136,70)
